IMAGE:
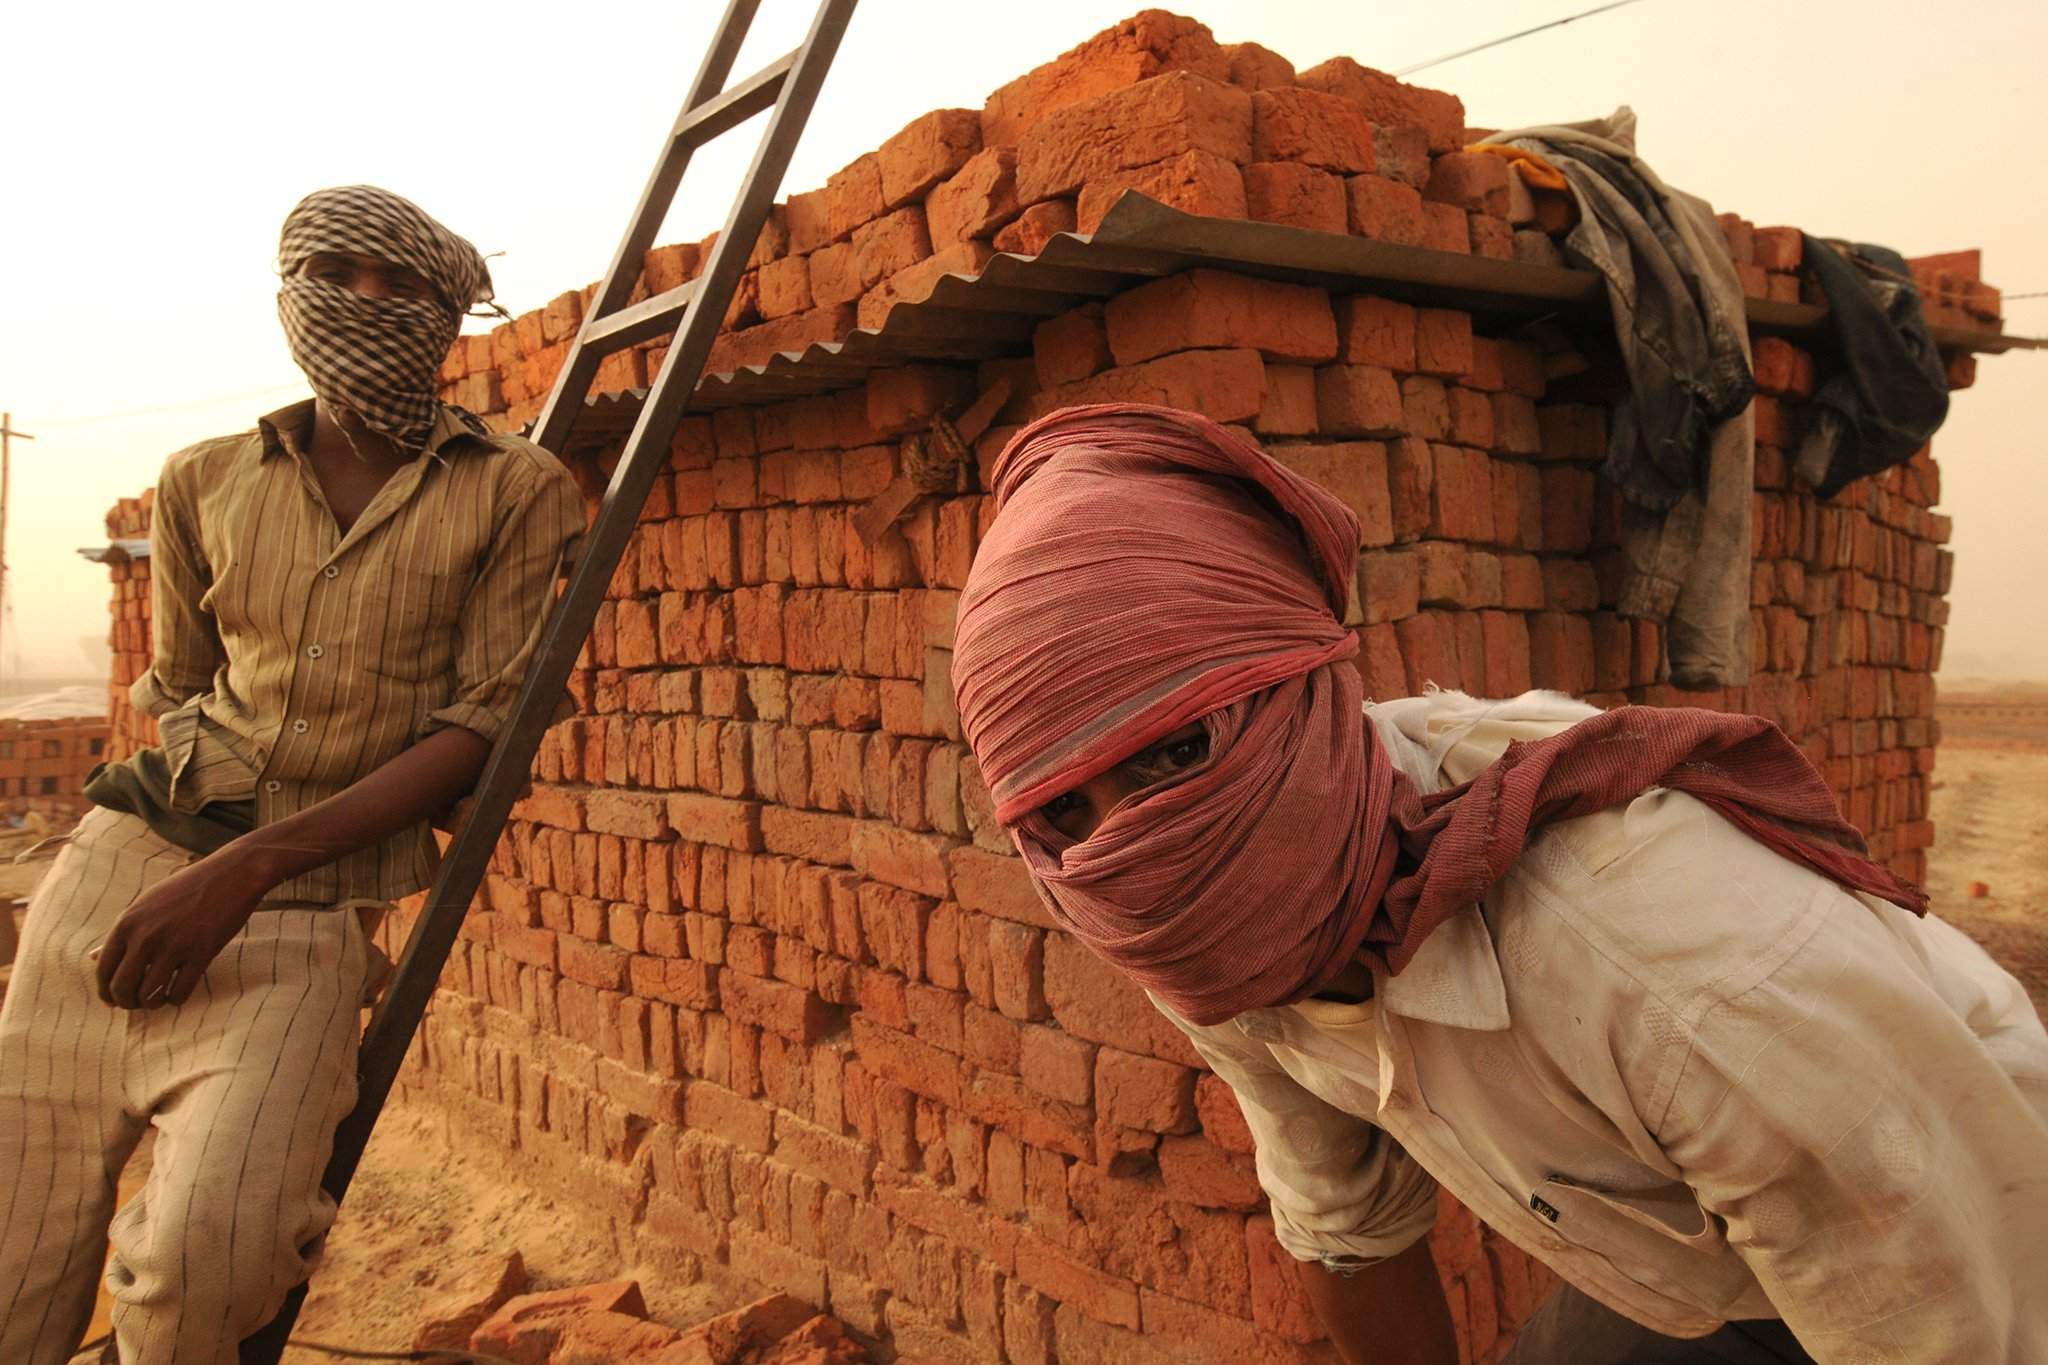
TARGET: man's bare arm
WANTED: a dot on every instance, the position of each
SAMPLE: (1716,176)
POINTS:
(1392,1312)
(177,927)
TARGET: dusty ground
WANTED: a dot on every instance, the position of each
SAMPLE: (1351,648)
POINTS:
(422,1211)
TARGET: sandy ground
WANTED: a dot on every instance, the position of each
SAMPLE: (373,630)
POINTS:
(422,1211)
(1991,826)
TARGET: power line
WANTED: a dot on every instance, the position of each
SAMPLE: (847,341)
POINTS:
(1499,42)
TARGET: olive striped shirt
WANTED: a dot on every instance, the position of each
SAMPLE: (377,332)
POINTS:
(292,660)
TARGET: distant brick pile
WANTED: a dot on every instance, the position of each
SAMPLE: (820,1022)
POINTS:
(756,971)
(128,519)
(43,764)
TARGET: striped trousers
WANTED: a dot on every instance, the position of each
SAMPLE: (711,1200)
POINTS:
(244,1084)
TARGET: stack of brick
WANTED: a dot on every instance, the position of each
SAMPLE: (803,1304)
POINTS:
(756,972)
(44,763)
(128,634)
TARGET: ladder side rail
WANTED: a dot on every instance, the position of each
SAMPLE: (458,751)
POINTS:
(646,452)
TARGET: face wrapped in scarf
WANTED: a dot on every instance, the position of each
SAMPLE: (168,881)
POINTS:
(1148,568)
(376,357)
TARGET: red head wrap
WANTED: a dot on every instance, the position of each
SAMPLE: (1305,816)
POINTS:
(1148,568)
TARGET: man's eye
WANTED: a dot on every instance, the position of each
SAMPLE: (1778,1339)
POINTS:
(1063,804)
(1186,753)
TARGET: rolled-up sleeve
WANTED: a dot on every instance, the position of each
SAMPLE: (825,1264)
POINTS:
(501,622)
(1342,1191)
(186,650)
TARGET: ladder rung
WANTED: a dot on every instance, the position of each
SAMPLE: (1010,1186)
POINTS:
(639,321)
(731,107)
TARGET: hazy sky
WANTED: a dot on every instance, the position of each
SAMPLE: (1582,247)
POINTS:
(150,152)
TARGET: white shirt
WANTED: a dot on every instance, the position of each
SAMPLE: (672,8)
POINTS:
(1697,1080)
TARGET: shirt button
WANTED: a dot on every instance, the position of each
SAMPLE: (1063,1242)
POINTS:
(331,572)
(315,651)
(273,786)
(299,727)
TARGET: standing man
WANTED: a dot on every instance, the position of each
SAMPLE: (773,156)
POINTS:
(345,600)
(1624,983)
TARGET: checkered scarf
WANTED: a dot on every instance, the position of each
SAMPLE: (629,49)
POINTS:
(376,357)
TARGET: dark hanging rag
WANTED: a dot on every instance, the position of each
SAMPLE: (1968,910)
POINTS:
(1890,393)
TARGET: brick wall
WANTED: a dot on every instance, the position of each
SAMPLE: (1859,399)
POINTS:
(756,974)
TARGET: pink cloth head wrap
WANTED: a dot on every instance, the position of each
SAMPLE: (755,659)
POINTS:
(1148,568)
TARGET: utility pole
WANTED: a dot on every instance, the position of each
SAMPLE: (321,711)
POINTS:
(8,436)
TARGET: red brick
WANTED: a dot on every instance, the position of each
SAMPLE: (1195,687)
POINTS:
(1036,226)
(1143,46)
(1385,210)
(1446,227)
(1389,585)
(1388,102)
(1140,125)
(1057,1064)
(1507,653)
(1295,195)
(785,286)
(1461,495)
(1290,406)
(1779,248)
(918,1067)
(1425,409)
(1561,652)
(1226,386)
(714,820)
(1279,1304)
(1208,308)
(930,149)
(907,397)
(890,244)
(899,857)
(451,1319)
(993,884)
(1375,331)
(807,219)
(979,199)
(1356,471)
(1201,183)
(1403,154)
(1428,651)
(1308,126)
(1087,1290)
(1092,1000)
(1144,1093)
(1443,342)
(1196,1171)
(527,1329)
(1358,400)
(1476,181)
(854,196)
(1071,346)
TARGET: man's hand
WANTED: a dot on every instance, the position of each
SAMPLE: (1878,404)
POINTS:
(161,947)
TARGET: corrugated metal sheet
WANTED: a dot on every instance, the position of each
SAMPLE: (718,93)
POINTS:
(971,318)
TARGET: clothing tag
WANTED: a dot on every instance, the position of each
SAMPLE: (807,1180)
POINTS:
(1543,1206)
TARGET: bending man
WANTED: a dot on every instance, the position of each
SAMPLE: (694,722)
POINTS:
(1624,983)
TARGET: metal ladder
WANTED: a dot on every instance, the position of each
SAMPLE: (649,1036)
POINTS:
(694,312)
